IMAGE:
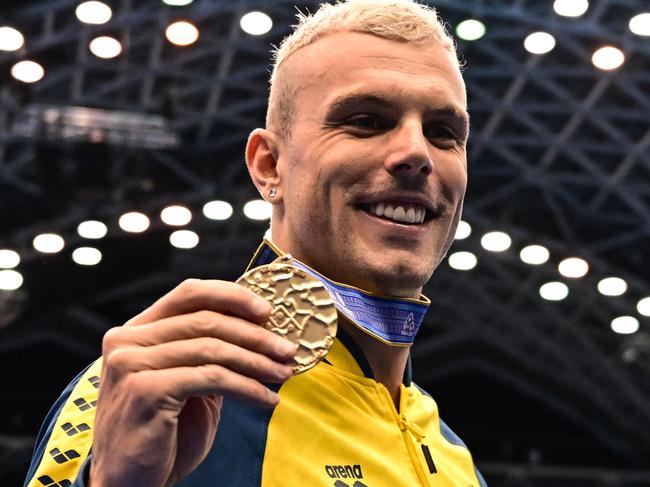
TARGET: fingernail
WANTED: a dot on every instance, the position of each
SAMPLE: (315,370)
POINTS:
(273,397)
(285,347)
(262,306)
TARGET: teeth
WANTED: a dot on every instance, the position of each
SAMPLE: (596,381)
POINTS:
(410,215)
(400,213)
(379,209)
(388,211)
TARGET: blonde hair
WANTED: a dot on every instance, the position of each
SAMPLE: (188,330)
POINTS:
(399,20)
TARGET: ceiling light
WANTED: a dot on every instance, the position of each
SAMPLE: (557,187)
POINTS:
(462,261)
(640,24)
(534,254)
(573,267)
(176,216)
(217,210)
(134,222)
(258,210)
(612,286)
(48,243)
(105,47)
(608,58)
(554,291)
(470,30)
(463,230)
(256,23)
(27,71)
(643,306)
(93,12)
(10,39)
(177,3)
(87,256)
(9,259)
(10,280)
(625,325)
(182,33)
(539,42)
(92,229)
(184,239)
(496,241)
(570,8)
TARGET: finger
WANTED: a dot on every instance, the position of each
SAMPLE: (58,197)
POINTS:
(196,294)
(202,324)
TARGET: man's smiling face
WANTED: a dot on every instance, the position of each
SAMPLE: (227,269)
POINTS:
(373,173)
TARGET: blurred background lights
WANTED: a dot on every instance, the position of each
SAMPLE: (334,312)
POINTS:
(608,58)
(182,33)
(463,231)
(573,267)
(10,280)
(177,3)
(534,254)
(470,30)
(10,39)
(48,243)
(539,42)
(27,71)
(134,222)
(625,325)
(640,24)
(258,210)
(9,259)
(496,241)
(176,216)
(105,47)
(217,210)
(87,256)
(93,12)
(256,23)
(643,306)
(554,291)
(462,261)
(184,239)
(92,229)
(570,8)
(612,286)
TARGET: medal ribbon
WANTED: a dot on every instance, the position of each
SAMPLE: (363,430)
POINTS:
(394,321)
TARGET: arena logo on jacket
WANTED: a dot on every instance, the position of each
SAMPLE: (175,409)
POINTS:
(346,472)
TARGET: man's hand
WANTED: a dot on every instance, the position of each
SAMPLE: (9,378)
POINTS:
(166,372)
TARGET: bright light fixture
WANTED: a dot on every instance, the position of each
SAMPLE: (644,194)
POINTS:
(258,210)
(608,58)
(470,30)
(93,12)
(10,39)
(177,3)
(105,47)
(10,280)
(640,24)
(134,222)
(539,42)
(625,325)
(182,33)
(92,229)
(256,23)
(463,230)
(184,239)
(496,241)
(27,71)
(534,254)
(573,267)
(217,210)
(554,291)
(87,256)
(462,261)
(48,243)
(176,216)
(570,8)
(643,306)
(9,259)
(612,286)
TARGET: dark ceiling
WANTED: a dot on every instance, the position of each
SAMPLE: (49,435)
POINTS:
(559,155)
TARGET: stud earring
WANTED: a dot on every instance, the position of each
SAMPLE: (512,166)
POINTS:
(272,193)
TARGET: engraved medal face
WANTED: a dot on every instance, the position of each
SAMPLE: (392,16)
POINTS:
(303,310)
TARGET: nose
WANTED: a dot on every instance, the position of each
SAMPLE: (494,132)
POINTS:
(409,152)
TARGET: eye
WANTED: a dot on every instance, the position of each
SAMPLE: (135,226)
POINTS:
(365,122)
(440,132)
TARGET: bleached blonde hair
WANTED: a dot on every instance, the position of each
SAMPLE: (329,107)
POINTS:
(399,20)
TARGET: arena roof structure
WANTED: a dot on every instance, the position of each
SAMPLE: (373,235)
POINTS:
(539,357)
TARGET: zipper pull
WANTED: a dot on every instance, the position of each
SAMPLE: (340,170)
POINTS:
(412,427)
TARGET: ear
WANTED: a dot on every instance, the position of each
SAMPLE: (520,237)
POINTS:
(262,152)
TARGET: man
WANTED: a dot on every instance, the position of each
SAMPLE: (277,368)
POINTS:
(363,158)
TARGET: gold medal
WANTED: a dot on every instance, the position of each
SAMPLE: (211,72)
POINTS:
(303,310)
